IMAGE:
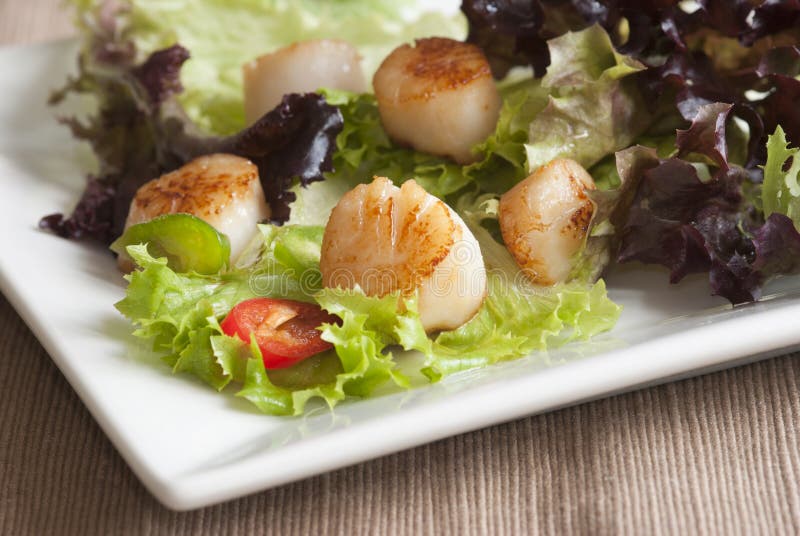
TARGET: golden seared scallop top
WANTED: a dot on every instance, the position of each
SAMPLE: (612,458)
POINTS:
(204,188)
(433,65)
(544,219)
(386,238)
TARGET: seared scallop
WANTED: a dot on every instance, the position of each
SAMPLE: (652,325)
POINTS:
(387,239)
(222,189)
(438,97)
(302,67)
(544,220)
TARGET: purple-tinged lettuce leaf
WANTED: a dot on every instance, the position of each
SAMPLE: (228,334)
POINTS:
(688,225)
(296,140)
(729,17)
(780,60)
(770,17)
(707,134)
(509,32)
(693,81)
(612,201)
(691,224)
(139,131)
(92,217)
(593,109)
(714,135)
(777,245)
(159,75)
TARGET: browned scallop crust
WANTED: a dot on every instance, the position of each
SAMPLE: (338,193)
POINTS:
(436,64)
(386,243)
(579,220)
(514,238)
(571,222)
(204,187)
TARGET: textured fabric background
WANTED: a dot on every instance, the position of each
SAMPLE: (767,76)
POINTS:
(718,454)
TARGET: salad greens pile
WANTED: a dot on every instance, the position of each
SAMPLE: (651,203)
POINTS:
(724,74)
(685,115)
(179,312)
(515,320)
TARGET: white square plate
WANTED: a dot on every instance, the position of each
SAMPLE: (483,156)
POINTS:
(192,447)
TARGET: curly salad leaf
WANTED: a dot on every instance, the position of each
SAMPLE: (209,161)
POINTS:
(781,191)
(517,317)
(180,313)
(695,217)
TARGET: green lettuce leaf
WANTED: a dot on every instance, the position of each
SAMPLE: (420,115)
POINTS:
(287,391)
(180,313)
(781,190)
(517,317)
(222,35)
(594,108)
(283,262)
(369,326)
(503,160)
(586,107)
(364,151)
(166,306)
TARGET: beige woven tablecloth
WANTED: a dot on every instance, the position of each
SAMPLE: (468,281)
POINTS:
(717,454)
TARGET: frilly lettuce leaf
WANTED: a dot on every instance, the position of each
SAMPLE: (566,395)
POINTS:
(180,313)
(617,181)
(369,326)
(594,109)
(517,317)
(164,303)
(701,216)
(287,391)
(503,160)
(781,190)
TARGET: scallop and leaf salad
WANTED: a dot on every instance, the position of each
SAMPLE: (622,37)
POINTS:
(320,200)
